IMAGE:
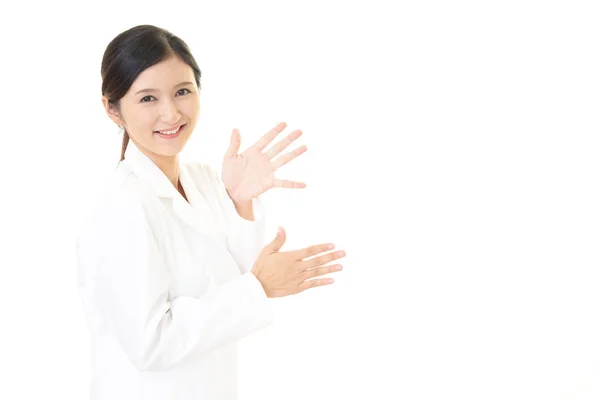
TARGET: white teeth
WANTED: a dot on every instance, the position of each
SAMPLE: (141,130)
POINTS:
(169,132)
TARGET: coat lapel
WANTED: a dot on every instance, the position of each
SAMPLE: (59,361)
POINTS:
(196,213)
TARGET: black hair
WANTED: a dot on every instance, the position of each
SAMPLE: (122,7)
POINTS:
(133,51)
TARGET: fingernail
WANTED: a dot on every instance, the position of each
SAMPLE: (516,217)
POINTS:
(338,267)
(340,253)
(330,246)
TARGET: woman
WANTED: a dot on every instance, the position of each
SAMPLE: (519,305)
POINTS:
(172,269)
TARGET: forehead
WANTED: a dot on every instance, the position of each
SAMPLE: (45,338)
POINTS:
(164,75)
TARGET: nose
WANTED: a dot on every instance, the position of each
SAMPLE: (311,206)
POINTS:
(170,112)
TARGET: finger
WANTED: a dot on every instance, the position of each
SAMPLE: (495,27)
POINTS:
(275,245)
(234,144)
(324,259)
(282,144)
(310,251)
(311,273)
(286,158)
(269,136)
(288,184)
(312,283)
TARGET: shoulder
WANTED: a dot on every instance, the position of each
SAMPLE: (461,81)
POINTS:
(204,175)
(123,208)
(200,169)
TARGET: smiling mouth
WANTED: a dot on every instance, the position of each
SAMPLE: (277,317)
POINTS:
(171,133)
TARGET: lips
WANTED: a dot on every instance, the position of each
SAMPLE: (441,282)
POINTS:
(170,135)
(169,130)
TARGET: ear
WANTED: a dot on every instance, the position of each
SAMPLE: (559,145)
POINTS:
(112,111)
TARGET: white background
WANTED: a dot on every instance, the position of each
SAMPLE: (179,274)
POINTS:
(452,152)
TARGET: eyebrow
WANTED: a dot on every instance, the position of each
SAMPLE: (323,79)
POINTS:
(156,90)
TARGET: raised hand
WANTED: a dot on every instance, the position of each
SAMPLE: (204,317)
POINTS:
(251,173)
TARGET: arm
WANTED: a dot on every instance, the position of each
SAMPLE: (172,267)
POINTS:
(130,284)
(246,225)
(244,209)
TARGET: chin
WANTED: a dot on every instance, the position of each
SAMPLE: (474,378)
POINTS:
(170,151)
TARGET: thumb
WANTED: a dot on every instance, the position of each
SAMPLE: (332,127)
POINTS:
(234,144)
(279,240)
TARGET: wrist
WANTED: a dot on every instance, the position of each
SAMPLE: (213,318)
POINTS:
(244,208)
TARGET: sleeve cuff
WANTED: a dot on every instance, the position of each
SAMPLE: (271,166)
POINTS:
(258,210)
(258,299)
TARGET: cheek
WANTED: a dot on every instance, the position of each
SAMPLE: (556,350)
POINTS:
(139,117)
(191,108)
(144,119)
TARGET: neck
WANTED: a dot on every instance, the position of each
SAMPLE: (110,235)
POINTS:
(169,166)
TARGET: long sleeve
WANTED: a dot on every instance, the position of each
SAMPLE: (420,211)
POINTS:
(124,276)
(245,239)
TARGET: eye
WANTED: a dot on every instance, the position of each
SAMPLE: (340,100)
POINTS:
(146,97)
(184,93)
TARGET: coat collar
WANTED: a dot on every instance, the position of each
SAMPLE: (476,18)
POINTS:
(149,172)
(197,213)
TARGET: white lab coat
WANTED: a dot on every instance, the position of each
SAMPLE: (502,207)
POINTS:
(166,284)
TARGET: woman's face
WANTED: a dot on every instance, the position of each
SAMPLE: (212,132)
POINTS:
(163,99)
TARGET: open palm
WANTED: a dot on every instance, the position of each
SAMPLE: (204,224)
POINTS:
(251,173)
